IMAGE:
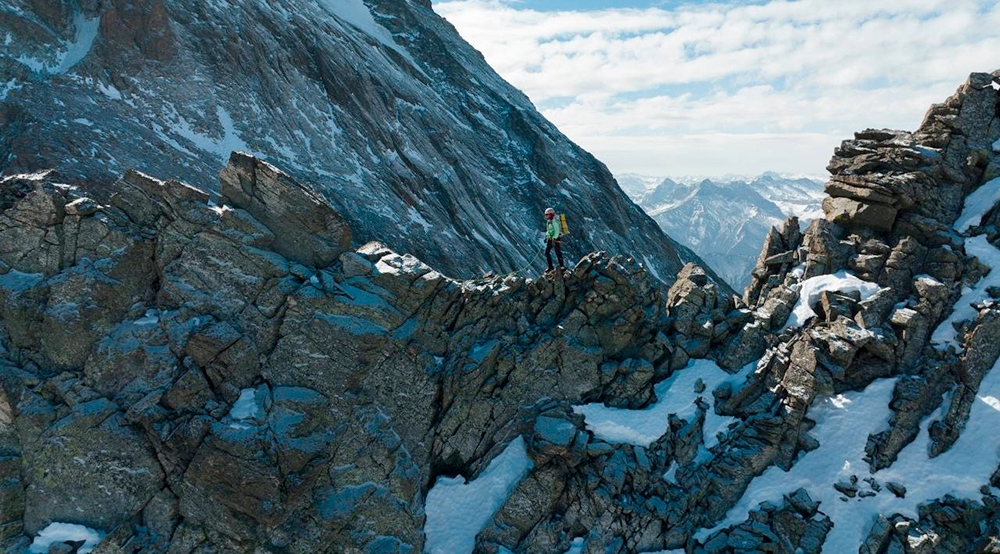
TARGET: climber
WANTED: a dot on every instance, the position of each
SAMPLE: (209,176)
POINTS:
(553,237)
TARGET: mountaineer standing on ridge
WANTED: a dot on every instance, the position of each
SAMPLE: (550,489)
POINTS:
(553,236)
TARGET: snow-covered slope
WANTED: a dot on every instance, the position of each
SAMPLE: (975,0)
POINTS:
(378,104)
(725,221)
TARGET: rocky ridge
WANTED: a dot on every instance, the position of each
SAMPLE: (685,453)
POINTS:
(131,329)
(378,105)
(196,375)
(902,240)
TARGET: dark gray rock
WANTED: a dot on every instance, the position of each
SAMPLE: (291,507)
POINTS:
(852,213)
(88,467)
(305,228)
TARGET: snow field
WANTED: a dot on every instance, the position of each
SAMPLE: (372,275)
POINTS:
(458,510)
(843,425)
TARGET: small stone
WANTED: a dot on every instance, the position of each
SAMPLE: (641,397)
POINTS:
(896,489)
(847,488)
(802,502)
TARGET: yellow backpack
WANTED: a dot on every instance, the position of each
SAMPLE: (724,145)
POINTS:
(562,224)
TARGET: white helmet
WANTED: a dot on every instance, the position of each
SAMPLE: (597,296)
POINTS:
(549,211)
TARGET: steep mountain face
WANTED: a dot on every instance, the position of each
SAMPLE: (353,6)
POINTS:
(378,105)
(725,222)
(187,375)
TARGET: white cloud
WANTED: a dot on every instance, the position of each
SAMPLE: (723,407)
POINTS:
(627,83)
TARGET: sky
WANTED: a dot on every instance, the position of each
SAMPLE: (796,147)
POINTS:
(672,88)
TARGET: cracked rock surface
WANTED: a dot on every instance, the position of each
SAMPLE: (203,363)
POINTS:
(131,330)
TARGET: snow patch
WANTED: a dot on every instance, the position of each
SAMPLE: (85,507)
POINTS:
(86,32)
(357,14)
(675,396)
(109,91)
(7,88)
(83,40)
(945,335)
(651,268)
(415,217)
(810,290)
(151,317)
(57,533)
(221,147)
(576,547)
(458,510)
(996,146)
(977,204)
(246,406)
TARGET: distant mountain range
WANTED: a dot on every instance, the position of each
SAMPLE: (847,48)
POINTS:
(725,219)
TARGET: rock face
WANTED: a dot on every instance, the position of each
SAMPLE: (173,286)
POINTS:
(187,375)
(378,105)
(894,199)
(197,373)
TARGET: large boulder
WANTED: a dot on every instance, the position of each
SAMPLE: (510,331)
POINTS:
(853,213)
(306,229)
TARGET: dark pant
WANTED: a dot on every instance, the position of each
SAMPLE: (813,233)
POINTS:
(548,248)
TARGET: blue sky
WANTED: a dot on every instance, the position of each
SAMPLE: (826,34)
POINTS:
(696,88)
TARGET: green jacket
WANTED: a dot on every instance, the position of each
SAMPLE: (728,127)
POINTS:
(552,228)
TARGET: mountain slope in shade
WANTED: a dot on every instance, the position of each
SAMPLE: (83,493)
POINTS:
(378,104)
(723,221)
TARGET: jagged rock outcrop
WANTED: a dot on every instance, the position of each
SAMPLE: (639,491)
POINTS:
(613,497)
(794,526)
(189,375)
(946,525)
(894,199)
(379,105)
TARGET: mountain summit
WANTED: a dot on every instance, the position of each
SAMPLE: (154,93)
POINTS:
(378,105)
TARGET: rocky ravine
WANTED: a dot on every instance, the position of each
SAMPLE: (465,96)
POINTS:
(378,104)
(131,329)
